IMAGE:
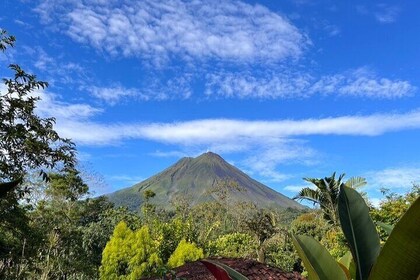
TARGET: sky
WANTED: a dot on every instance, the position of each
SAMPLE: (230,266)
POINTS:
(280,89)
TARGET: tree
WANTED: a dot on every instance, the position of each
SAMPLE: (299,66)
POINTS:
(326,194)
(129,254)
(27,141)
(185,252)
(261,224)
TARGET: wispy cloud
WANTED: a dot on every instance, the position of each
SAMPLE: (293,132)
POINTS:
(383,13)
(55,68)
(387,13)
(297,188)
(112,95)
(361,82)
(208,131)
(222,30)
(394,178)
(51,106)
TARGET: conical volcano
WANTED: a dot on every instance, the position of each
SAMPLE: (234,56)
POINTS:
(195,179)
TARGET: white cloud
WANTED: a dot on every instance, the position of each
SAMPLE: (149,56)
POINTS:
(383,13)
(50,106)
(223,30)
(177,154)
(274,152)
(114,94)
(209,131)
(386,13)
(297,188)
(361,82)
(395,178)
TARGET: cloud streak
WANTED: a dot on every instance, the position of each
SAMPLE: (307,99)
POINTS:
(361,82)
(395,178)
(208,131)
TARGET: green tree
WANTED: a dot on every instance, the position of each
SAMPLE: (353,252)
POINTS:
(185,252)
(233,245)
(129,254)
(326,194)
(262,225)
(27,141)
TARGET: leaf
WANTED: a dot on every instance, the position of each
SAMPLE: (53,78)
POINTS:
(348,262)
(359,230)
(400,256)
(6,187)
(316,259)
(222,272)
(356,182)
(346,271)
(387,228)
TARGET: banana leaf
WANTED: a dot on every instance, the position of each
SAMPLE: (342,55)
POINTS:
(387,228)
(359,230)
(348,263)
(316,259)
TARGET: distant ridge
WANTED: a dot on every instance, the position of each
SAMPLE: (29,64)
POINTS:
(194,179)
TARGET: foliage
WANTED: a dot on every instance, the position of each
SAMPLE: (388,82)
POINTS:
(185,252)
(233,245)
(129,254)
(359,229)
(330,236)
(400,255)
(392,207)
(279,252)
(326,194)
(6,40)
(261,224)
(318,262)
(28,141)
(170,234)
(402,245)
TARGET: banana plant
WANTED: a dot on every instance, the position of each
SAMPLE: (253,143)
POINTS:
(398,259)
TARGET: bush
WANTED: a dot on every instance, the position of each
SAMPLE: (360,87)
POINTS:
(183,253)
(233,245)
(129,254)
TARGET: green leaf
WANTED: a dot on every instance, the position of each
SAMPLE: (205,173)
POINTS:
(316,259)
(359,230)
(221,270)
(387,228)
(348,262)
(400,256)
(356,182)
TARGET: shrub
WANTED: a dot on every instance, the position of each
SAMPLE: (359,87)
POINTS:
(183,253)
(233,245)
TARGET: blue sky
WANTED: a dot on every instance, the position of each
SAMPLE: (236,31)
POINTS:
(281,89)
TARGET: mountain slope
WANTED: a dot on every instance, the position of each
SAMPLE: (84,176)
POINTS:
(194,179)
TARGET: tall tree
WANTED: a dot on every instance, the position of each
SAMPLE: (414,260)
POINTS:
(27,142)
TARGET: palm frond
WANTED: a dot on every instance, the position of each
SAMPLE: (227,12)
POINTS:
(356,182)
(309,194)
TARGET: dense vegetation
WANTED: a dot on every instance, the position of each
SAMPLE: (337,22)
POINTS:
(50,227)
